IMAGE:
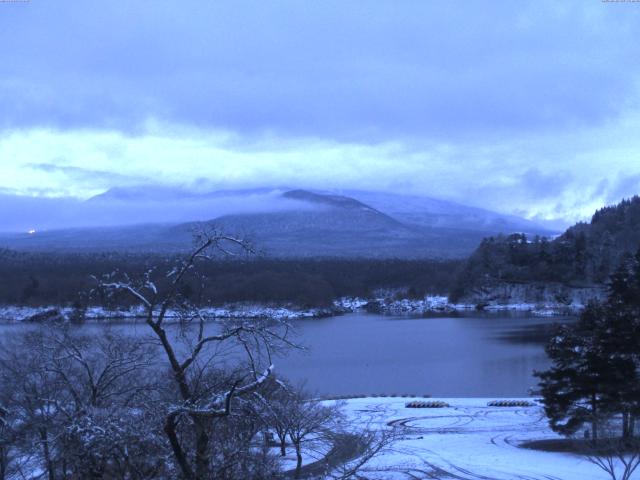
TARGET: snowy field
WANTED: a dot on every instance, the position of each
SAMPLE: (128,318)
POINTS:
(469,440)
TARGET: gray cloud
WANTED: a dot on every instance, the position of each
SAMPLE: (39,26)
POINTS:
(522,107)
(544,185)
(626,185)
(350,71)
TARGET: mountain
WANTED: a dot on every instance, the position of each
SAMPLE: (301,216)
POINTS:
(433,213)
(280,222)
(330,200)
(329,225)
(132,206)
(584,256)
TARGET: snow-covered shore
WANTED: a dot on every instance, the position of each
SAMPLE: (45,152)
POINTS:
(441,304)
(467,440)
(388,306)
(383,305)
(12,313)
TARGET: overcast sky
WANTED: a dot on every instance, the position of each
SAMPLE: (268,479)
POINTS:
(530,108)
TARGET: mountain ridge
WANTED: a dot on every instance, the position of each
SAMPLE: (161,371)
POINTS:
(294,222)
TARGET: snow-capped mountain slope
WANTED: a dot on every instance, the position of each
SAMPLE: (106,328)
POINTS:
(279,222)
(434,213)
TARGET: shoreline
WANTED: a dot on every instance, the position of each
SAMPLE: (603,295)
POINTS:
(441,304)
(21,314)
(383,306)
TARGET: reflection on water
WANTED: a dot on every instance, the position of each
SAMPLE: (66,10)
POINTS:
(470,354)
(538,333)
(464,355)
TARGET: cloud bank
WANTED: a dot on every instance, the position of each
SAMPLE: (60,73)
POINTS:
(523,107)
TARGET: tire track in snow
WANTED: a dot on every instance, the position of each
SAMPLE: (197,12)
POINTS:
(465,422)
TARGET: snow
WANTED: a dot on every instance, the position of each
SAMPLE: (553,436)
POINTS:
(313,450)
(439,303)
(10,313)
(468,440)
(385,305)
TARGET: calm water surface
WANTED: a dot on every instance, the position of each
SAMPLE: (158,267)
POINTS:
(465,355)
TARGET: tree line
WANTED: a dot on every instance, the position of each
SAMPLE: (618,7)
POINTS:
(586,254)
(41,279)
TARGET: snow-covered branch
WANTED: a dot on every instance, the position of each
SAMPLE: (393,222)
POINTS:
(129,289)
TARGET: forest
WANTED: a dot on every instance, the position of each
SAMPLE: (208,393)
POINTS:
(585,254)
(41,279)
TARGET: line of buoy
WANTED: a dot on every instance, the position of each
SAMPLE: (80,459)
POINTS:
(510,403)
(427,404)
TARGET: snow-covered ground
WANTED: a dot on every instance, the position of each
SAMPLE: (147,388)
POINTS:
(469,440)
(428,304)
(438,303)
(312,451)
(11,313)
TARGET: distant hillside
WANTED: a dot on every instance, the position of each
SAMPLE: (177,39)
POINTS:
(336,201)
(583,256)
(430,213)
(293,223)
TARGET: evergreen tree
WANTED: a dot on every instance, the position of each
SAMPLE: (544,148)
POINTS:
(596,362)
(623,341)
(576,387)
(624,284)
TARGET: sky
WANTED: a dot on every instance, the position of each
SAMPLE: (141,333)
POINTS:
(530,107)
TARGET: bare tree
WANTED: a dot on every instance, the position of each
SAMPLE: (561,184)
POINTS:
(308,421)
(193,354)
(35,400)
(364,445)
(6,439)
(276,404)
(316,425)
(96,369)
(618,457)
(73,396)
(239,447)
(188,400)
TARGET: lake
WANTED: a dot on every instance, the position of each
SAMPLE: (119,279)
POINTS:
(464,355)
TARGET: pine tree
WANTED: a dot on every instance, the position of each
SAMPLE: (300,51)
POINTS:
(622,284)
(596,362)
(623,339)
(576,387)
